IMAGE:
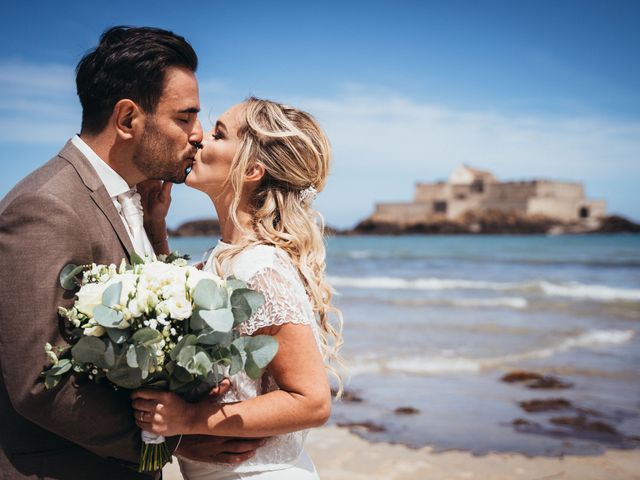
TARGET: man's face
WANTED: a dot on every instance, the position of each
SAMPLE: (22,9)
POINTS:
(166,148)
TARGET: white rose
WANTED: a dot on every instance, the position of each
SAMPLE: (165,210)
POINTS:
(196,275)
(179,308)
(89,297)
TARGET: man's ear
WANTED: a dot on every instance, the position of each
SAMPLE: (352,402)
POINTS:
(255,173)
(127,119)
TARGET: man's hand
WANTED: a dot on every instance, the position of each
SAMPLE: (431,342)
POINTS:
(206,448)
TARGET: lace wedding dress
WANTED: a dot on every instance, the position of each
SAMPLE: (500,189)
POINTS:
(271,272)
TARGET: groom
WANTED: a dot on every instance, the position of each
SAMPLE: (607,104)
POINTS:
(140,102)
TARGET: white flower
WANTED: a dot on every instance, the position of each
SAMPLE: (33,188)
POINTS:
(95,331)
(89,297)
(179,308)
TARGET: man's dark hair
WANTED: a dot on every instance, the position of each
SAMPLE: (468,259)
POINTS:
(129,62)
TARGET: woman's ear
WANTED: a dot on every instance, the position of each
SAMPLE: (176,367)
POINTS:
(255,173)
(127,118)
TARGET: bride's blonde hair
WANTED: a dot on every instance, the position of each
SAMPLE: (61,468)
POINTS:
(296,156)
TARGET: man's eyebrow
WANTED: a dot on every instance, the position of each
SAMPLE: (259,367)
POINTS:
(189,110)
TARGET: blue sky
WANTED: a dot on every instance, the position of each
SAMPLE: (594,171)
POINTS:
(406,90)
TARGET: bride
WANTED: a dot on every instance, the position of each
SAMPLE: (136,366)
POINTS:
(262,167)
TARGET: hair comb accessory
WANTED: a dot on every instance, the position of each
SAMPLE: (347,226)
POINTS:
(308,194)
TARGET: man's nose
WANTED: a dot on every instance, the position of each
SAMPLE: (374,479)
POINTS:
(196,134)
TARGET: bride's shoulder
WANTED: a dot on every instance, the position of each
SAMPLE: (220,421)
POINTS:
(257,258)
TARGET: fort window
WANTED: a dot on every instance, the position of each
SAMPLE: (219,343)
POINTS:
(461,196)
(440,207)
(584,212)
(477,186)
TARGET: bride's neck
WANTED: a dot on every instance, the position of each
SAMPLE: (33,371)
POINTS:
(229,232)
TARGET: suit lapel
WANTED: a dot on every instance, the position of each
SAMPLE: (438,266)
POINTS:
(98,193)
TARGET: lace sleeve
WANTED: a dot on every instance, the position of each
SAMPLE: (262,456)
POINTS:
(285,300)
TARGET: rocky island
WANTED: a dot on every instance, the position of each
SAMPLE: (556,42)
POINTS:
(473,201)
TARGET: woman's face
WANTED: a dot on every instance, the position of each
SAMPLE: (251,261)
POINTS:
(219,147)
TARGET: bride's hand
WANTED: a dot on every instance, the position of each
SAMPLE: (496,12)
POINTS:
(162,413)
(155,196)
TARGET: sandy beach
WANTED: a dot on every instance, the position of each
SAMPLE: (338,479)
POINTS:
(341,455)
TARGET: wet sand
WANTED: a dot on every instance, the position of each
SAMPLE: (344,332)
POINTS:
(341,455)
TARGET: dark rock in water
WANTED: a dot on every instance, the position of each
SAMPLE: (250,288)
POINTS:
(582,424)
(549,383)
(520,376)
(368,426)
(545,405)
(197,228)
(406,411)
(617,224)
(521,422)
(536,380)
(347,396)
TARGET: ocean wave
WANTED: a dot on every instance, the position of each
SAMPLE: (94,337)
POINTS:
(591,292)
(372,254)
(435,365)
(601,293)
(517,303)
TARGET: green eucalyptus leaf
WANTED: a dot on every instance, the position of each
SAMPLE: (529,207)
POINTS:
(89,350)
(60,368)
(233,283)
(146,336)
(109,358)
(186,355)
(107,317)
(132,358)
(196,323)
(111,295)
(186,341)
(125,377)
(220,320)
(208,296)
(244,303)
(143,357)
(237,360)
(252,369)
(117,335)
(68,275)
(262,349)
(215,338)
(136,259)
(200,364)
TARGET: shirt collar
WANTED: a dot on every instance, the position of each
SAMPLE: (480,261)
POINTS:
(113,182)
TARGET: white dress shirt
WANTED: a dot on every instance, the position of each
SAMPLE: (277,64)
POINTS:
(113,182)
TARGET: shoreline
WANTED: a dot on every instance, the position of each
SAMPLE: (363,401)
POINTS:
(341,455)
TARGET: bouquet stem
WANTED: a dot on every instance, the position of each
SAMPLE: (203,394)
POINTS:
(154,456)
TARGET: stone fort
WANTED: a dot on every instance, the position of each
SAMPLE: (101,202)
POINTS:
(470,190)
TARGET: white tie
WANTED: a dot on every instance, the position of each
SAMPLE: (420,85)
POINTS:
(133,214)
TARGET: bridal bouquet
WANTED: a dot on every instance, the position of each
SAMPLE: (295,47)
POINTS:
(162,324)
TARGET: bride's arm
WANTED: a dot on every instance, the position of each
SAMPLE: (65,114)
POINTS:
(303,401)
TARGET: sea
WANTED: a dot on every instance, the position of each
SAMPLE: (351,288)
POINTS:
(432,324)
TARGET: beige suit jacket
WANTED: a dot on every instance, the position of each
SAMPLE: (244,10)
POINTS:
(59,214)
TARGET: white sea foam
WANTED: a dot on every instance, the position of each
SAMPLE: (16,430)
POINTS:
(600,293)
(443,364)
(591,292)
(395,283)
(507,302)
